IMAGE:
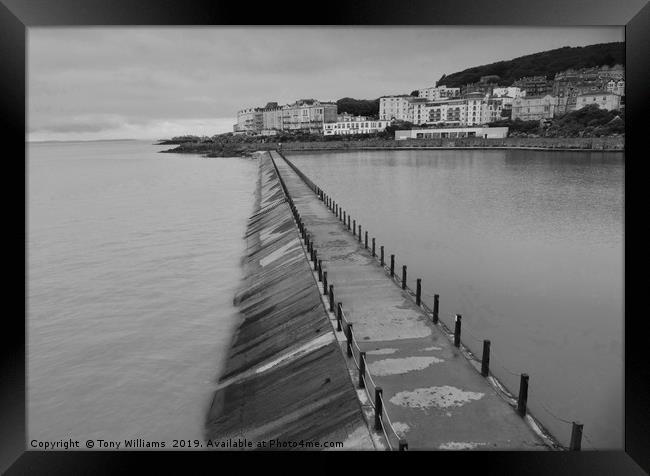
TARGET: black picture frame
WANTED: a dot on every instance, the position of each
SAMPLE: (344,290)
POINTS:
(18,15)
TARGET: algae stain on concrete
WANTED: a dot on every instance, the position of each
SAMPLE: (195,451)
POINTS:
(401,428)
(401,366)
(381,351)
(441,397)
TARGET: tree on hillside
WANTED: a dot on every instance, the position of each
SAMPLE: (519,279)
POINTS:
(358,107)
(545,63)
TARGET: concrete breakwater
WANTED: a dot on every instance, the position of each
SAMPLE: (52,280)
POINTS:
(436,395)
(285,384)
(541,143)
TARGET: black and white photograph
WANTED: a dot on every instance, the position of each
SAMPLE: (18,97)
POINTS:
(325,238)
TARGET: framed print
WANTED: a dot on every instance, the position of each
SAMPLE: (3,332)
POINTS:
(387,227)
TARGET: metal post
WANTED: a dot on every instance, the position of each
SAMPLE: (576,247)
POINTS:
(378,408)
(366,240)
(457,330)
(436,305)
(320,270)
(348,222)
(373,248)
(362,369)
(315,257)
(359,233)
(403,276)
(381,251)
(392,265)
(523,395)
(345,217)
(332,297)
(485,362)
(348,335)
(354,228)
(325,282)
(339,316)
(418,291)
(576,436)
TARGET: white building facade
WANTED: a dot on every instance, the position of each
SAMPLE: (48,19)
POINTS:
(395,108)
(249,120)
(510,91)
(453,133)
(452,112)
(534,108)
(604,100)
(349,125)
(439,93)
(616,87)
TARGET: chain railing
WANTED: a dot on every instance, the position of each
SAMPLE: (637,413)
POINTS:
(365,377)
(360,362)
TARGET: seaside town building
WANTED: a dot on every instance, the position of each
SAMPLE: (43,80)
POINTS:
(306,115)
(272,117)
(249,120)
(474,108)
(534,108)
(616,87)
(534,85)
(570,84)
(347,124)
(603,99)
(470,110)
(492,109)
(418,110)
(395,108)
(453,133)
(438,93)
(509,91)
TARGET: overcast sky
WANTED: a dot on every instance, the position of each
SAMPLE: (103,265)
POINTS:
(150,83)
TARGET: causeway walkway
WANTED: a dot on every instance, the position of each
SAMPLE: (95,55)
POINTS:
(434,396)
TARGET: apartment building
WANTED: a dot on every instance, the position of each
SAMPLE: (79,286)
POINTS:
(308,115)
(395,108)
(249,120)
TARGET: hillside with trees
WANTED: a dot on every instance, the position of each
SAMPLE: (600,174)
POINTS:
(546,63)
(358,107)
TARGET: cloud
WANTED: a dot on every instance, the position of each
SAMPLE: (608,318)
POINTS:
(129,79)
(83,128)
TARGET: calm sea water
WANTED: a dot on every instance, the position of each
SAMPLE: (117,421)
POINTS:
(133,261)
(527,246)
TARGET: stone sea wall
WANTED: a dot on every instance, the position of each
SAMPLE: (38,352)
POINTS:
(285,378)
(542,143)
